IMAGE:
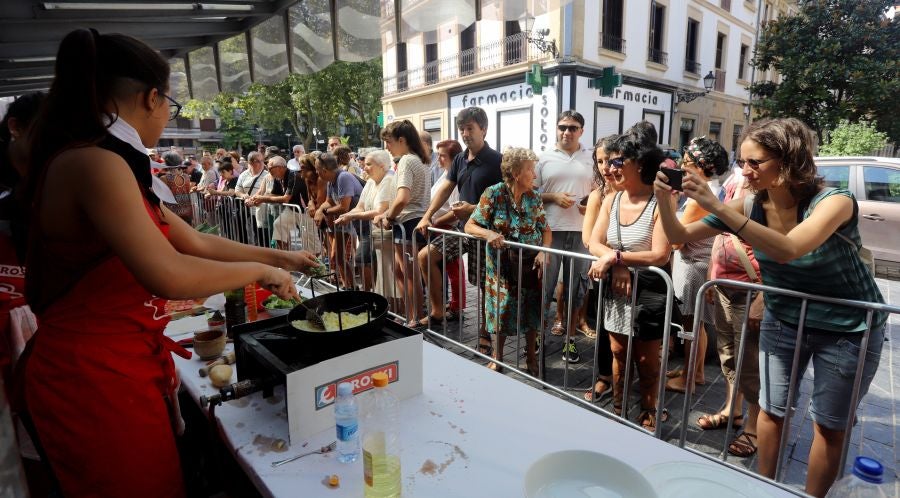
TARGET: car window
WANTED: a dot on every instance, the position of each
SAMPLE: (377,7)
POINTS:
(835,176)
(882,184)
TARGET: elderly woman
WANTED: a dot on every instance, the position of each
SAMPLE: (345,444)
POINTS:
(455,271)
(626,234)
(512,210)
(806,238)
(375,198)
(179,183)
(342,195)
(690,267)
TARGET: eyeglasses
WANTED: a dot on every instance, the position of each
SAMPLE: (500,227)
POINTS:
(569,128)
(617,163)
(174,107)
(754,163)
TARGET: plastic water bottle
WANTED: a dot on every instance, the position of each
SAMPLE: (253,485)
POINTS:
(381,441)
(864,482)
(346,416)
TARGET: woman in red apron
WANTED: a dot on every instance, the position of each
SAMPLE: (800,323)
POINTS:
(104,255)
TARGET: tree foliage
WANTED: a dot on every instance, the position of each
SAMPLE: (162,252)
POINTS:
(838,59)
(853,139)
(343,93)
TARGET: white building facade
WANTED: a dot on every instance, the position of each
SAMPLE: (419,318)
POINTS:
(480,51)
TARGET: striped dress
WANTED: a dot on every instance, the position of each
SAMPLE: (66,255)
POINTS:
(637,236)
(690,266)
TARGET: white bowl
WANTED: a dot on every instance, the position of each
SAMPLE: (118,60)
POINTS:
(689,480)
(584,474)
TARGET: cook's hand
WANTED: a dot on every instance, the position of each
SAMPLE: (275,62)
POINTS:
(280,283)
(494,240)
(301,261)
(462,210)
(564,199)
(621,281)
(757,307)
(695,187)
(423,225)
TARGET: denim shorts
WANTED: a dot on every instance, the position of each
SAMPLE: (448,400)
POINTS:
(834,358)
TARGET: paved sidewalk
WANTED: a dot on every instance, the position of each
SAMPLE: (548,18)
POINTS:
(876,435)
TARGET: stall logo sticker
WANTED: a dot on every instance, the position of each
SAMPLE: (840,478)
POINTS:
(361,381)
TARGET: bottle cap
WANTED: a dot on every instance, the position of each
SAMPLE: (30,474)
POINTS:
(380,379)
(868,469)
(345,389)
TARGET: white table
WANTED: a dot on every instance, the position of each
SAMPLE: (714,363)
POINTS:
(472,432)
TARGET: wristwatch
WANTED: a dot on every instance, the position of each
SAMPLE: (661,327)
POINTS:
(618,257)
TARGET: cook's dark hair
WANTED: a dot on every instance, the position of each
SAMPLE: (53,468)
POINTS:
(571,114)
(408,131)
(92,71)
(475,114)
(636,146)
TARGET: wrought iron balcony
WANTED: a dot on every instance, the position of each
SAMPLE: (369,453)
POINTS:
(612,42)
(506,52)
(692,67)
(658,56)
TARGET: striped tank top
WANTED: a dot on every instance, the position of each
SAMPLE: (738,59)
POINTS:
(636,236)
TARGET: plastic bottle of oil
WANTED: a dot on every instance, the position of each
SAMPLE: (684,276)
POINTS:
(381,441)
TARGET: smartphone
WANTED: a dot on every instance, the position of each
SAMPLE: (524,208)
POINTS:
(674,176)
(584,200)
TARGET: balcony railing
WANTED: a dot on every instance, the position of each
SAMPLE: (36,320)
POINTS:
(720,81)
(692,67)
(612,42)
(658,56)
(506,52)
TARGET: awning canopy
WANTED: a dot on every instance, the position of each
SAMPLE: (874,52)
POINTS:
(311,34)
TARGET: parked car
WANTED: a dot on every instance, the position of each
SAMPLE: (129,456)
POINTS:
(875,181)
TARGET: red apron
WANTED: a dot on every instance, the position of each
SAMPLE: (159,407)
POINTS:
(96,382)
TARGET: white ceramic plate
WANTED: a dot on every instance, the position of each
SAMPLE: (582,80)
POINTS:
(690,480)
(584,474)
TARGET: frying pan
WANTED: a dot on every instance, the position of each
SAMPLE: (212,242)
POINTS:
(348,301)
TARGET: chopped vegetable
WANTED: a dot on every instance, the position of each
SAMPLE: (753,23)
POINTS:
(275,303)
(334,481)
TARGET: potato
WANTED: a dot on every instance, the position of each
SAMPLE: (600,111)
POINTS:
(220,375)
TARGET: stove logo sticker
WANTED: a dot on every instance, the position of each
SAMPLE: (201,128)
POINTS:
(362,382)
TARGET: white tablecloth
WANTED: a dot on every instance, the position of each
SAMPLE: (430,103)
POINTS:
(472,432)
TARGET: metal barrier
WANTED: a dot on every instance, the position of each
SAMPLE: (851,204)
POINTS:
(568,258)
(870,308)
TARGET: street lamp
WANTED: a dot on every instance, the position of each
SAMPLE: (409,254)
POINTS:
(288,135)
(708,82)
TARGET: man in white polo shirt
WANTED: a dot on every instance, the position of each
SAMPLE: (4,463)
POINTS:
(564,176)
(294,163)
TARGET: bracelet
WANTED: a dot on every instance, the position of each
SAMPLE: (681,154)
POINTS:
(618,257)
(742,226)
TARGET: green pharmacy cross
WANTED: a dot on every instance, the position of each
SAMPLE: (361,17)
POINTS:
(536,79)
(607,82)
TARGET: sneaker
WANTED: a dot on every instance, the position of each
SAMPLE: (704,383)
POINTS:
(570,352)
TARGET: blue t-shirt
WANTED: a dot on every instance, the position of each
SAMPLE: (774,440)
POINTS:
(346,185)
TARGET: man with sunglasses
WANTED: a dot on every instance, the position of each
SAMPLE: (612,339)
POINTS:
(565,177)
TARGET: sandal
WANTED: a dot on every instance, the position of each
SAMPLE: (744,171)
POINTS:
(495,366)
(602,387)
(424,322)
(675,372)
(743,446)
(451,316)
(713,421)
(648,419)
(558,329)
(587,331)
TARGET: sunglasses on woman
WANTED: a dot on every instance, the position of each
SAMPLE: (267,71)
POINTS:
(617,163)
(754,163)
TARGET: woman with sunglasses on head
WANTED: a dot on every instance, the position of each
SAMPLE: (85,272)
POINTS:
(805,238)
(626,234)
(98,379)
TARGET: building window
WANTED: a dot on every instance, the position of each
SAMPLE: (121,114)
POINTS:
(684,131)
(433,127)
(715,129)
(690,54)
(514,44)
(720,50)
(431,63)
(402,76)
(467,51)
(726,5)
(742,63)
(657,33)
(611,37)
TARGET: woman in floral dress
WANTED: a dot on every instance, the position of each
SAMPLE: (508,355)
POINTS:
(512,210)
